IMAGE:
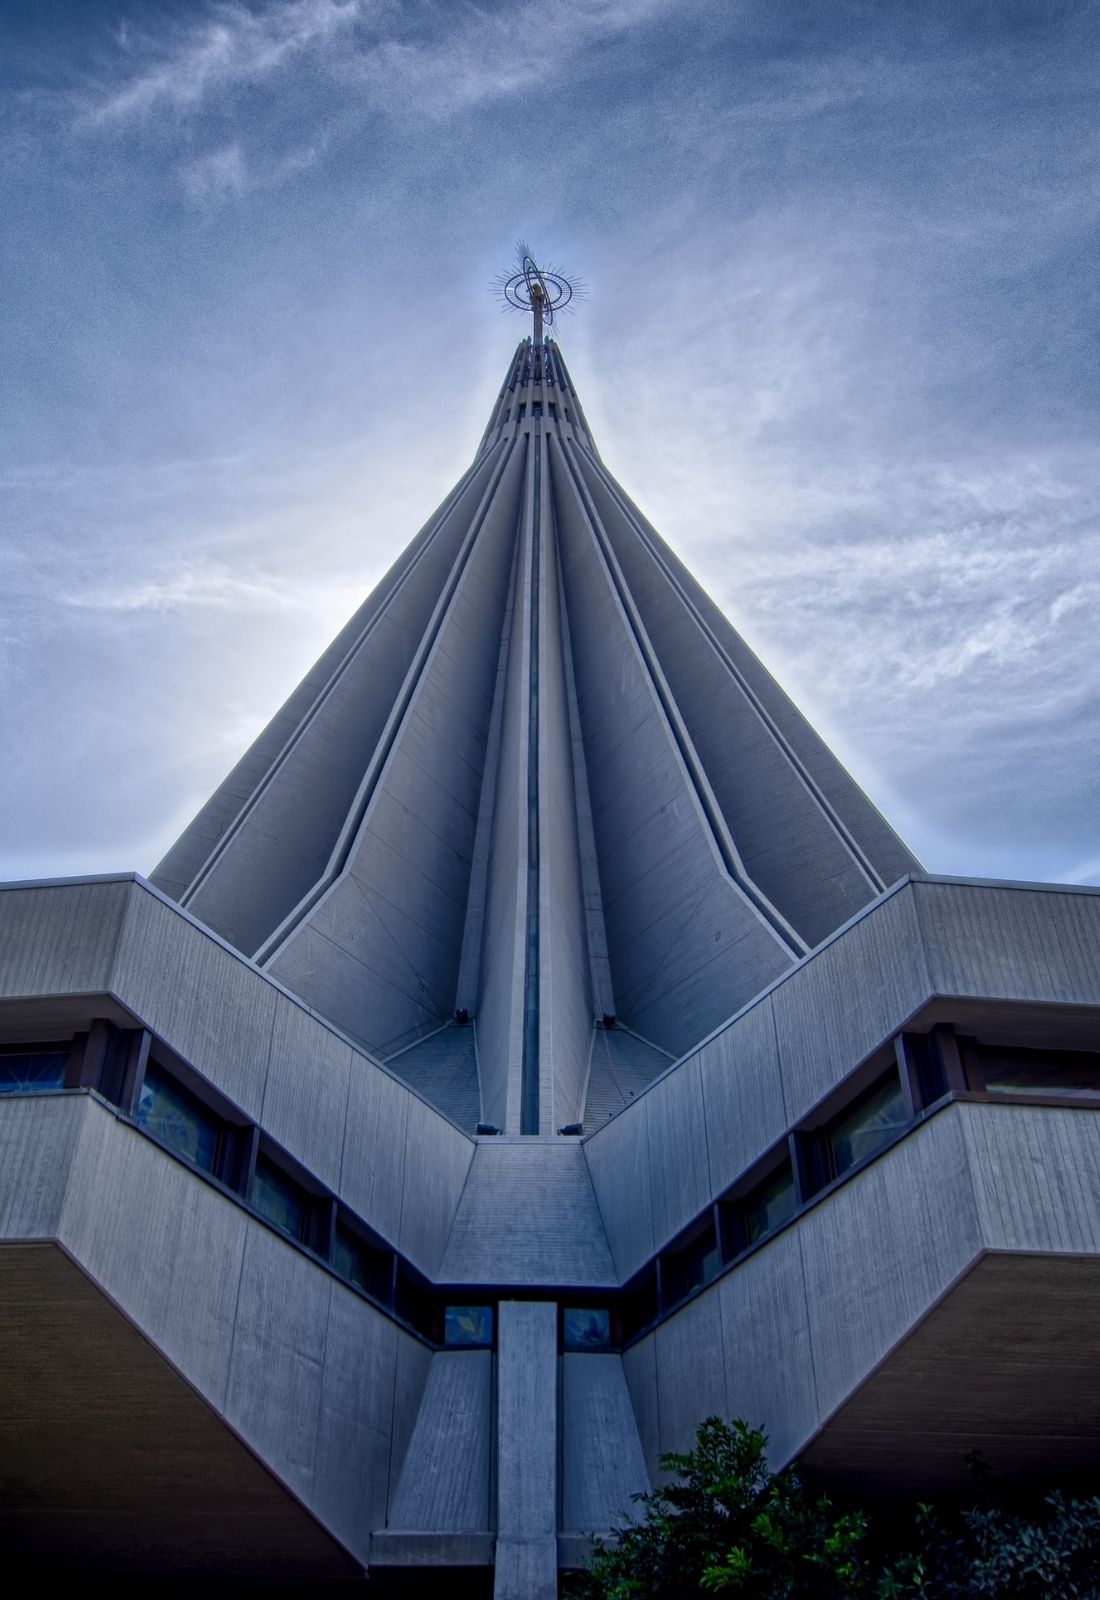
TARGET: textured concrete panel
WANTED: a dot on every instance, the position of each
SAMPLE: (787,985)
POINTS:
(445,1480)
(1019,942)
(165,1246)
(212,1007)
(602,1461)
(640,1371)
(38,1139)
(373,1159)
(526,1569)
(679,1179)
(1036,1174)
(414,1362)
(620,1066)
(443,1069)
(527,1420)
(274,1392)
(743,1110)
(306,1096)
(882,1249)
(437,1160)
(846,998)
(528,1215)
(769,1358)
(113,1464)
(618,1161)
(60,937)
(691,1371)
(355,1425)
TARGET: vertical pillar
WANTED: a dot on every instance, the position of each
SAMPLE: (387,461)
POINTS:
(527,1451)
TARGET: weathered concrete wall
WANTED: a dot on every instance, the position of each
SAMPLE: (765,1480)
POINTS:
(303,1369)
(680,1142)
(786,1338)
(394,1159)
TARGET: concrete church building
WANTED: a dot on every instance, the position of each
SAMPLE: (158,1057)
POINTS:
(536,1044)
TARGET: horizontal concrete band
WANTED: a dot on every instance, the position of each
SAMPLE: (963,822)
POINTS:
(547,1212)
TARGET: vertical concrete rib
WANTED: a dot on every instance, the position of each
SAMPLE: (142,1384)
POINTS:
(527,1451)
(565,985)
(378,951)
(685,941)
(529,1107)
(500,1006)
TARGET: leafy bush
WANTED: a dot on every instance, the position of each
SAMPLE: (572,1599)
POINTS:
(725,1524)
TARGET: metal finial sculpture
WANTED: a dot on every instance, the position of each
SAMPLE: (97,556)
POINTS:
(544,291)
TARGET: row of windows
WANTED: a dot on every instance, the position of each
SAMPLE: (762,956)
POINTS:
(836,1141)
(210,1135)
(219,1145)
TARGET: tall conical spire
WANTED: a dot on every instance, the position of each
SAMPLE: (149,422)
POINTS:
(538,820)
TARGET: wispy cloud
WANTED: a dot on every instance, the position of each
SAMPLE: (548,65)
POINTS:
(416,59)
(217,586)
(179,68)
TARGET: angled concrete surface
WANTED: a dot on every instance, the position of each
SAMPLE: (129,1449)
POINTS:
(110,1458)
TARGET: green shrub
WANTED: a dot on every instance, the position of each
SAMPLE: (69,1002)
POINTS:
(725,1524)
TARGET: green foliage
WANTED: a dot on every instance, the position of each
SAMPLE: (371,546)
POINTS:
(991,1551)
(725,1524)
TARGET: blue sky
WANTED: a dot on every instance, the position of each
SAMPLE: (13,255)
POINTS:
(840,344)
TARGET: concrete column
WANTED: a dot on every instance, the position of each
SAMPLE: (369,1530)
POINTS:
(527,1451)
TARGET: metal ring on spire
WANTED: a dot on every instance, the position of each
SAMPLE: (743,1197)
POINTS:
(532,288)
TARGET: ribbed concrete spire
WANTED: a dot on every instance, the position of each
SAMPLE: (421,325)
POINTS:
(538,782)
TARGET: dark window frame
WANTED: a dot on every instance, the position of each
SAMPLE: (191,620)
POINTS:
(318,1203)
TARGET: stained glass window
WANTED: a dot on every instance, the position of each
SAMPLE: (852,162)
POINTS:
(469,1326)
(277,1197)
(167,1111)
(771,1203)
(586,1328)
(33,1072)
(871,1123)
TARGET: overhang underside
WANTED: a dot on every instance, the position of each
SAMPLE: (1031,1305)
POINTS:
(110,1461)
(1005,1364)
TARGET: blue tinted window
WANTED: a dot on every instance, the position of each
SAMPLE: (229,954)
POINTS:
(771,1204)
(166,1110)
(278,1198)
(33,1072)
(586,1328)
(471,1326)
(367,1266)
(870,1124)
